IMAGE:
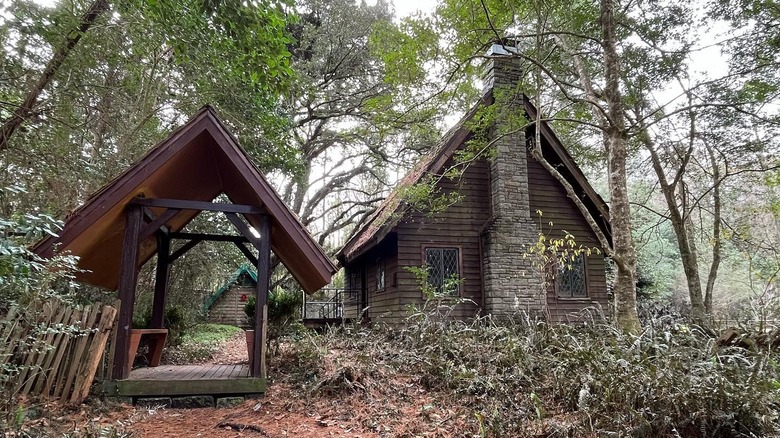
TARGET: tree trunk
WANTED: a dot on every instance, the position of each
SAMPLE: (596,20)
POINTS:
(691,267)
(616,144)
(25,110)
(299,192)
(713,274)
(677,218)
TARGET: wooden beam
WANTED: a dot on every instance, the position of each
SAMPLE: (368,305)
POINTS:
(148,216)
(128,279)
(161,281)
(183,250)
(209,237)
(243,228)
(158,223)
(257,367)
(248,254)
(183,204)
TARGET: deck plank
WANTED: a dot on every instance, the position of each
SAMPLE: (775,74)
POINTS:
(190,372)
(184,372)
(227,372)
(222,373)
(203,372)
(212,374)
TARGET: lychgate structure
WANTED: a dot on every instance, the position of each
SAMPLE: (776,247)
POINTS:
(143,211)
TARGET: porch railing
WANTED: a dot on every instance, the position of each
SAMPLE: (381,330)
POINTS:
(331,303)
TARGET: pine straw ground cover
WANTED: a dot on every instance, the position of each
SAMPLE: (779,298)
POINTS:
(524,379)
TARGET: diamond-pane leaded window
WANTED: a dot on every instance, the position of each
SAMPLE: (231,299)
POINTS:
(443,270)
(571,279)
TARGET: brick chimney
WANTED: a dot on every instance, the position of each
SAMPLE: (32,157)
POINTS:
(511,283)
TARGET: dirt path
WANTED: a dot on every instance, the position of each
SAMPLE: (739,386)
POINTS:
(275,415)
(233,351)
(346,402)
(346,398)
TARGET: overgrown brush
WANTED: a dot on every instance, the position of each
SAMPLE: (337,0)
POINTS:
(300,361)
(530,378)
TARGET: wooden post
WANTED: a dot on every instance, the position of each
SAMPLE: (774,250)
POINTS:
(261,297)
(128,279)
(161,280)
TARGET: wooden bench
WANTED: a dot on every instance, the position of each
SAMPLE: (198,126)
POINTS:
(156,338)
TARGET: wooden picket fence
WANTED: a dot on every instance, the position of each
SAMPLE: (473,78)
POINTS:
(57,351)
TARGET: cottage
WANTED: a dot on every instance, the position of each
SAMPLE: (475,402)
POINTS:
(226,304)
(478,249)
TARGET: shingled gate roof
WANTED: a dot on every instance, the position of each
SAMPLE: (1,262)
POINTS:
(197,162)
(393,208)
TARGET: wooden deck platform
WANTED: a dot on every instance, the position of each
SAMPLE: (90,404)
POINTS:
(175,380)
(319,324)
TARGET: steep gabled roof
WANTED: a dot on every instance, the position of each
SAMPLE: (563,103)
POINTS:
(197,162)
(242,270)
(393,208)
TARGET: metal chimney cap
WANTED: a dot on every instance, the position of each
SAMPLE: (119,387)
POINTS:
(501,50)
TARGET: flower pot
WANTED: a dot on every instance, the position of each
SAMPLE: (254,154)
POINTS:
(250,344)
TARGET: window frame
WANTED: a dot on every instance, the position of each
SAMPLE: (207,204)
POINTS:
(424,259)
(556,282)
(353,286)
(381,273)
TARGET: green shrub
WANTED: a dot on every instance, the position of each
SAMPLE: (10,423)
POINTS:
(283,306)
(177,323)
(249,309)
(210,333)
(27,280)
(186,353)
(175,319)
